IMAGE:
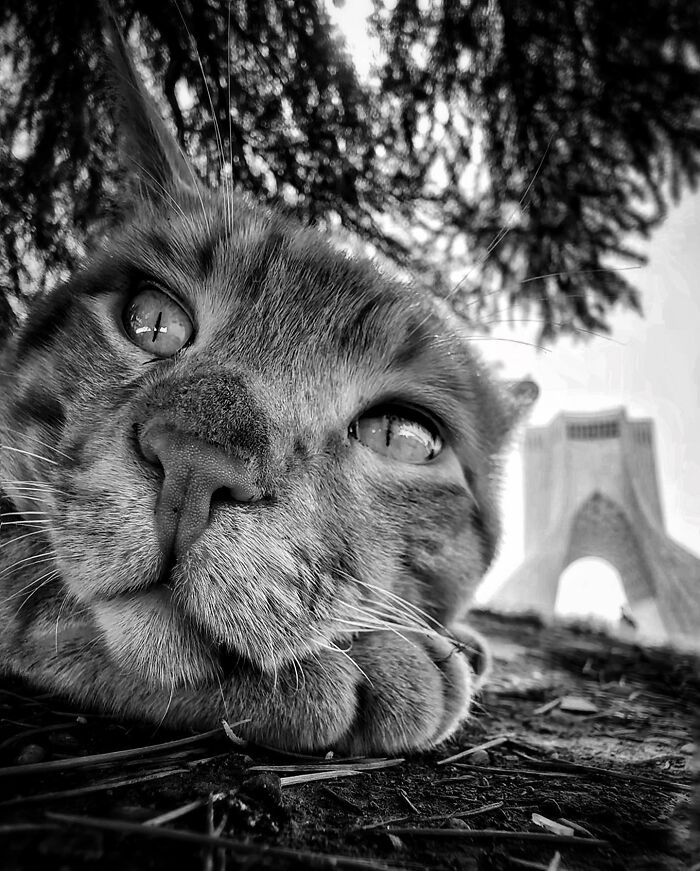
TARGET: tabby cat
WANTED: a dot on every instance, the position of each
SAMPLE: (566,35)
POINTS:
(244,475)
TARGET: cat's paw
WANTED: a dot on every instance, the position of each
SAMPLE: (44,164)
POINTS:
(414,691)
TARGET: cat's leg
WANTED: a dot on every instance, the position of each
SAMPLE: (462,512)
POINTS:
(308,706)
(415,692)
(387,693)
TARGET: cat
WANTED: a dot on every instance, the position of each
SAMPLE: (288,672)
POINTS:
(244,475)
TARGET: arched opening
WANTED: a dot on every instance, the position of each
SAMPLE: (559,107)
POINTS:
(591,588)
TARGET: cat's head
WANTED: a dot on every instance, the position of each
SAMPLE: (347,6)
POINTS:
(250,445)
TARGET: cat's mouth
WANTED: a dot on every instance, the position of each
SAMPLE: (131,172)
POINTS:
(232,662)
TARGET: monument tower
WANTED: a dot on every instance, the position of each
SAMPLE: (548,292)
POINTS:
(591,489)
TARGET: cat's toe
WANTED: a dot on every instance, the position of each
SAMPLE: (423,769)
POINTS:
(414,693)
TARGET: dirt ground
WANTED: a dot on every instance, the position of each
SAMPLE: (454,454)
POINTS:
(589,762)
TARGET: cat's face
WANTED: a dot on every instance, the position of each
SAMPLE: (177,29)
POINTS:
(251,448)
(366,434)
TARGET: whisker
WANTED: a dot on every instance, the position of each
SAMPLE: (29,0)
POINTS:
(16,483)
(28,454)
(295,665)
(400,601)
(164,192)
(214,114)
(508,339)
(329,645)
(58,617)
(27,481)
(498,290)
(167,707)
(28,494)
(50,576)
(503,232)
(398,608)
(385,628)
(22,522)
(28,560)
(221,693)
(24,434)
(228,114)
(577,272)
(499,320)
(23,589)
(20,537)
(389,620)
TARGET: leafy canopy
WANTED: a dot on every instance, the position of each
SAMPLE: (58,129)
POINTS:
(507,153)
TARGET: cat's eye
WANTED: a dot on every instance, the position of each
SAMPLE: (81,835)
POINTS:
(156,323)
(401,434)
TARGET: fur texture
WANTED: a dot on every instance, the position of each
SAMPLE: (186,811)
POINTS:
(326,608)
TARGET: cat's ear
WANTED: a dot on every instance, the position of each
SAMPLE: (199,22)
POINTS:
(522,395)
(149,151)
(519,398)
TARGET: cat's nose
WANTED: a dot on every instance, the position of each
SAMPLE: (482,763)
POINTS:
(194,474)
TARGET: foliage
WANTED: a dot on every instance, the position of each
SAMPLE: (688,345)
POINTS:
(508,153)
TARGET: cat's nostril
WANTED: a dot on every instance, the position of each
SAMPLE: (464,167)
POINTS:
(225,495)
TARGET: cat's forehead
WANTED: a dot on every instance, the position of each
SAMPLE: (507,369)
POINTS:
(254,279)
(312,331)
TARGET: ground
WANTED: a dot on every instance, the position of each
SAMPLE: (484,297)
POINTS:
(589,764)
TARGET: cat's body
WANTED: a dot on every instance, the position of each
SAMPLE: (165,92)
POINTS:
(246,476)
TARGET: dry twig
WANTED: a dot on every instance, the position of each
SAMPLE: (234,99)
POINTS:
(105,758)
(308,858)
(500,835)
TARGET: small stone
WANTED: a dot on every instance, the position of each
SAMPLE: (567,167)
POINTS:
(265,787)
(688,749)
(64,740)
(577,705)
(479,757)
(457,823)
(30,754)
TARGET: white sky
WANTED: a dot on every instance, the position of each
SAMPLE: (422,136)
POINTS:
(652,367)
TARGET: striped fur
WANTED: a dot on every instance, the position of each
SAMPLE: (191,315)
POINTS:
(329,612)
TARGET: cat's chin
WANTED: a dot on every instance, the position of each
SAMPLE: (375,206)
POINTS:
(145,635)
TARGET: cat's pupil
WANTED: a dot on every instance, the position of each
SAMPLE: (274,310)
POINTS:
(157,327)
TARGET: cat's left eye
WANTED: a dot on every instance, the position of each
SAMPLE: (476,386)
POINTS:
(402,435)
(156,323)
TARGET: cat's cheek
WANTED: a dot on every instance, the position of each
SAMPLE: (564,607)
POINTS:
(145,637)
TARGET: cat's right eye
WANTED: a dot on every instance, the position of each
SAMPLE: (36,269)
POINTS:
(402,434)
(156,323)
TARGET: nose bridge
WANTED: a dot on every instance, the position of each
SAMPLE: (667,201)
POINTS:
(214,406)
